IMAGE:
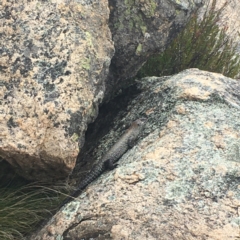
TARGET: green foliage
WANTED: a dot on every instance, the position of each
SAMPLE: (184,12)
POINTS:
(202,44)
(23,208)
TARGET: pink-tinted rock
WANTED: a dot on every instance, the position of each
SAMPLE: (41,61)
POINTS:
(181,181)
(53,63)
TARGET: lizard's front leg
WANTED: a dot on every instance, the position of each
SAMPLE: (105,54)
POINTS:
(110,165)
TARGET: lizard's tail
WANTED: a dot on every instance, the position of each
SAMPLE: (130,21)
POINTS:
(95,172)
(88,179)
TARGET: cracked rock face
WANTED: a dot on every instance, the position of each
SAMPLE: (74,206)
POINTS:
(142,28)
(53,63)
(181,180)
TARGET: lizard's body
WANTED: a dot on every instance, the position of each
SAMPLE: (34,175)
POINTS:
(111,157)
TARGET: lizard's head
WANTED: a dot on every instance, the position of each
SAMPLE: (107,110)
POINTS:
(137,126)
(139,122)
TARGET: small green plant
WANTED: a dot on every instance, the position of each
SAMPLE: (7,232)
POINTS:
(24,206)
(202,44)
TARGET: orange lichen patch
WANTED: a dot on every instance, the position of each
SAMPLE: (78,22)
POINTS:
(208,124)
(157,90)
(132,178)
(165,147)
(218,140)
(204,80)
(120,232)
(3,131)
(5,3)
(230,194)
(172,124)
(198,229)
(230,132)
(194,93)
(225,232)
(160,154)
(197,91)
(181,109)
(221,169)
(172,131)
(4,60)
(8,30)
(171,177)
(199,223)
(149,111)
(51,230)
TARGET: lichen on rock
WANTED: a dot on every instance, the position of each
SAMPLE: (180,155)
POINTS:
(180,181)
(53,63)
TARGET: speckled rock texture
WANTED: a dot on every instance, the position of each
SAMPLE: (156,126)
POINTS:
(54,58)
(181,180)
(54,62)
(142,28)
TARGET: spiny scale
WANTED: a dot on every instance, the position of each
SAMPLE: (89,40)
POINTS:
(111,157)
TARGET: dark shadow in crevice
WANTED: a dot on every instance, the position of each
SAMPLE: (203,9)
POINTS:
(97,130)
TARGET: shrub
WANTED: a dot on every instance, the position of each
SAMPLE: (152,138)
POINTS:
(202,44)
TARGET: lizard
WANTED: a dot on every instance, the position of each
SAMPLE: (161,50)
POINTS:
(109,160)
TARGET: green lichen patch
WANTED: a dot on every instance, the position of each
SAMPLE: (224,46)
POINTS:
(139,49)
